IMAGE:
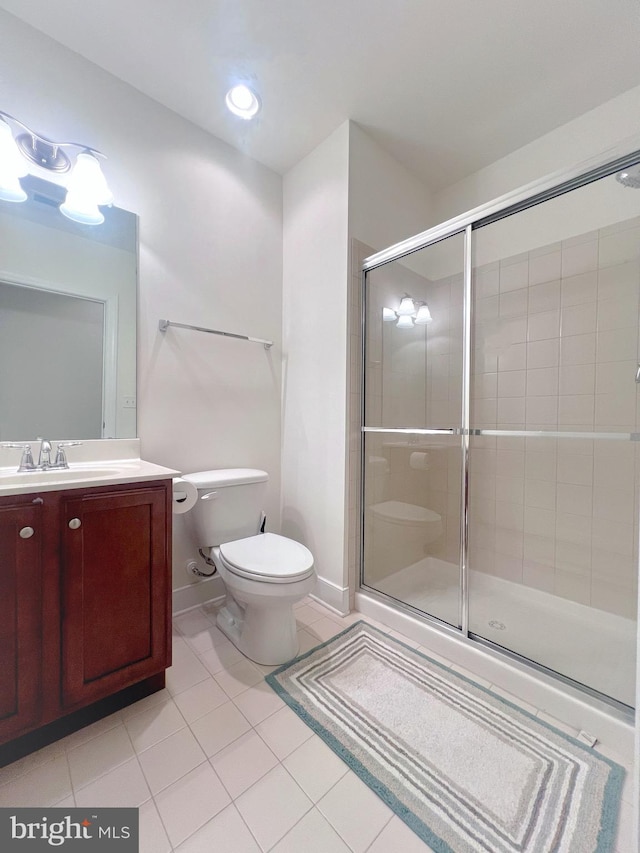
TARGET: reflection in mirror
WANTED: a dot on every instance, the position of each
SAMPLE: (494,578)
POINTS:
(67,321)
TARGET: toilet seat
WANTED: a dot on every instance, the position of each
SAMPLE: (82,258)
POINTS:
(267,558)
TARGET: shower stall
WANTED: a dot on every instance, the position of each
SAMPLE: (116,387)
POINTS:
(500,426)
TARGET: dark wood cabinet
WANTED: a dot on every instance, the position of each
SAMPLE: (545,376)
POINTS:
(84,600)
(20,616)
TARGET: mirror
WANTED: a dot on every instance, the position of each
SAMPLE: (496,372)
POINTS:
(68,295)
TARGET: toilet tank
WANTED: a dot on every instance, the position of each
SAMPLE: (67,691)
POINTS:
(229,506)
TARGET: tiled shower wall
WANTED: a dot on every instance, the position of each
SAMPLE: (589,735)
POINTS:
(556,348)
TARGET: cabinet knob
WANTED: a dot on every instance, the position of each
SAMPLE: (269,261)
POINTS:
(26,532)
(75,523)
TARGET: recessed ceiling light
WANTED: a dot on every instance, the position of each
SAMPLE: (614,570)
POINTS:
(242,101)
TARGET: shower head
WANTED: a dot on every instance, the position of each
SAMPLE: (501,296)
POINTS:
(630,177)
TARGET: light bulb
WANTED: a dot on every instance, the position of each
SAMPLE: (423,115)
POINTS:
(388,314)
(423,316)
(79,208)
(87,188)
(407,307)
(242,101)
(12,166)
(405,322)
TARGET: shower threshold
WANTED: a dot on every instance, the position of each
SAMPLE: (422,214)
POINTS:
(590,646)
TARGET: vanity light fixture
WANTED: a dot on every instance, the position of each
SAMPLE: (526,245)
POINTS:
(407,307)
(424,315)
(243,101)
(21,149)
(408,313)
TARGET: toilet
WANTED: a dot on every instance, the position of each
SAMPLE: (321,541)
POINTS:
(264,574)
(399,534)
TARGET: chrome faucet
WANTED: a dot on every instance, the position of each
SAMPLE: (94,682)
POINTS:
(44,459)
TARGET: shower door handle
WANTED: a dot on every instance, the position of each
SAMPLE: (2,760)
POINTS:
(638,375)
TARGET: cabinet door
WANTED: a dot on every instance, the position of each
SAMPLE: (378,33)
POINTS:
(114,591)
(20,618)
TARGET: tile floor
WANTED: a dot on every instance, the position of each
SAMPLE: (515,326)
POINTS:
(217,763)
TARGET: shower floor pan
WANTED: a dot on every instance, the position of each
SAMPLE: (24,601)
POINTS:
(591,646)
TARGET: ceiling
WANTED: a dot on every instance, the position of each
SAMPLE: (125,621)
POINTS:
(446,86)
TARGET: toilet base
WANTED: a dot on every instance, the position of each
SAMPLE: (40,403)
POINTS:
(266,635)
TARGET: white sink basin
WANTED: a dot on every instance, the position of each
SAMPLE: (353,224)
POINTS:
(81,475)
(59,475)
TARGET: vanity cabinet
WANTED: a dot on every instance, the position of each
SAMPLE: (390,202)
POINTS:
(85,600)
(20,615)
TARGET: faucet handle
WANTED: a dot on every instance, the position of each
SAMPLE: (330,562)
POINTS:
(26,462)
(61,456)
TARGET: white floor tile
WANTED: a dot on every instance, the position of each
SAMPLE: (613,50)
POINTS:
(307,615)
(198,700)
(190,802)
(315,767)
(199,631)
(238,677)
(396,835)
(124,786)
(187,669)
(99,756)
(243,762)
(154,725)
(31,762)
(170,759)
(43,786)
(153,838)
(66,803)
(307,641)
(221,657)
(355,812)
(225,833)
(219,728)
(152,701)
(191,622)
(283,732)
(259,702)
(325,628)
(272,806)
(314,834)
(87,733)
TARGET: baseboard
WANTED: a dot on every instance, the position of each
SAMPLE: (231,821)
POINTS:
(194,594)
(334,597)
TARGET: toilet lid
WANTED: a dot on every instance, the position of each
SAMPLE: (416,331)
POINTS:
(268,557)
(404,513)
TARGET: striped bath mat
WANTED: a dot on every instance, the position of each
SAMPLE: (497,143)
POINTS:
(465,769)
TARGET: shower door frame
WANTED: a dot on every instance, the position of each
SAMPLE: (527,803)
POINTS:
(608,163)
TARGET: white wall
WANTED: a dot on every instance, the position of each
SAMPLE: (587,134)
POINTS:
(387,203)
(315,260)
(210,254)
(596,131)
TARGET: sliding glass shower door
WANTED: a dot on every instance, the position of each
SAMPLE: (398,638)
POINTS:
(554,417)
(501,427)
(412,464)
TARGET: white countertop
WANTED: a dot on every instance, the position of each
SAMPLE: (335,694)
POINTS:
(98,463)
